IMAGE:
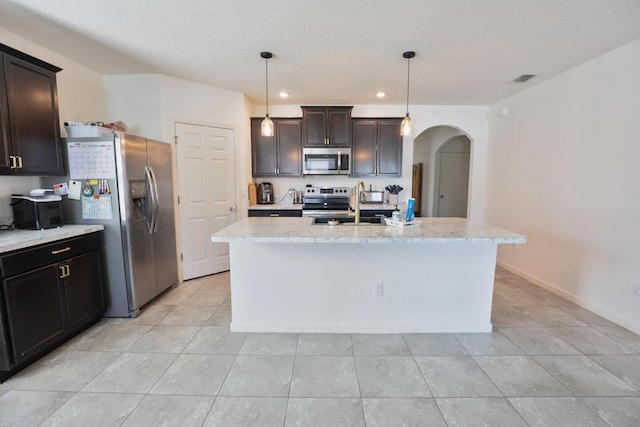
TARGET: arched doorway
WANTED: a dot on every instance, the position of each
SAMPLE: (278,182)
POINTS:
(451,182)
(443,154)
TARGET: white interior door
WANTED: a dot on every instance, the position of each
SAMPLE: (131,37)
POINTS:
(207,189)
(453,185)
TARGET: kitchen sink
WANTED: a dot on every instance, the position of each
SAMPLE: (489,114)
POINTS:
(364,220)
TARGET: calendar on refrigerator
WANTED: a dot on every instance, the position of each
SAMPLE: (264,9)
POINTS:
(91,160)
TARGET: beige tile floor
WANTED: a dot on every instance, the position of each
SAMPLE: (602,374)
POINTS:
(547,363)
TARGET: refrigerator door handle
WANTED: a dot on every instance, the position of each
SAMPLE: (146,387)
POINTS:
(152,194)
(156,198)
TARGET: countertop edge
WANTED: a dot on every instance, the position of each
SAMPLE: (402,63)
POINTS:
(298,207)
(21,239)
(256,239)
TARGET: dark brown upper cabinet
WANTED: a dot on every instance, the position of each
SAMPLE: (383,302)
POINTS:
(326,126)
(280,154)
(29,124)
(377,147)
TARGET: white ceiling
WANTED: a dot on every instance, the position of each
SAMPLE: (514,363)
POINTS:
(333,51)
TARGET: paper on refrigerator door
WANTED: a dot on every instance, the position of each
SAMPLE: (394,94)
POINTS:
(75,187)
(91,160)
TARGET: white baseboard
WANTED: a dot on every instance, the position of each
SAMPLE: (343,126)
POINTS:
(613,317)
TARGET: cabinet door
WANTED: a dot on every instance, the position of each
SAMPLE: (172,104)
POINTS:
(326,126)
(34,309)
(339,127)
(315,126)
(263,151)
(5,140)
(33,117)
(83,289)
(289,144)
(363,152)
(389,148)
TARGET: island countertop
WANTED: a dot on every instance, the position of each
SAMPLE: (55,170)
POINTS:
(300,230)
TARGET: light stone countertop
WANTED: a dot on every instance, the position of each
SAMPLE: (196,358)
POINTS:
(290,206)
(300,230)
(277,206)
(20,239)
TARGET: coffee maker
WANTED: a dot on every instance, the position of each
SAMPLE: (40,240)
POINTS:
(265,193)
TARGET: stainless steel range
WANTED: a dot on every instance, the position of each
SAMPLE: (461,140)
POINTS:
(326,202)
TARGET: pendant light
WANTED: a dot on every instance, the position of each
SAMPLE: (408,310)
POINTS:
(266,128)
(405,126)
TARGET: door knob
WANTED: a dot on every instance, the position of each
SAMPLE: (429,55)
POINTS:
(442,196)
(233,208)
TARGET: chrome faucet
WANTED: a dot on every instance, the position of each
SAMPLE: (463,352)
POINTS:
(357,203)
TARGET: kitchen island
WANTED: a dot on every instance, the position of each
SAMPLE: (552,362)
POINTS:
(288,275)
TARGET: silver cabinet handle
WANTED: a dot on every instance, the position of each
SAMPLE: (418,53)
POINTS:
(19,162)
(274,214)
(59,251)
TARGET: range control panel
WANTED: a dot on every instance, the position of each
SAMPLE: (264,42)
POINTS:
(327,191)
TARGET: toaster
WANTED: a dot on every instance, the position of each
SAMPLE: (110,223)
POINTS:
(36,212)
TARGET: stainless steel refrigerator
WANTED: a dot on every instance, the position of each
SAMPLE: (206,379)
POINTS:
(140,240)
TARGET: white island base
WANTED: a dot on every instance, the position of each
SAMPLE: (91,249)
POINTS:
(331,287)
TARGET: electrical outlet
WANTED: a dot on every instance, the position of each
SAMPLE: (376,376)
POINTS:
(378,289)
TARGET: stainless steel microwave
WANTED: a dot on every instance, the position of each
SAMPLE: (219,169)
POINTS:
(326,161)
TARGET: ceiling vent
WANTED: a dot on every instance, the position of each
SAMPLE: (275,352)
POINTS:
(524,77)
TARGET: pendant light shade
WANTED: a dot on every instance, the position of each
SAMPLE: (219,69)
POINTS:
(405,126)
(266,128)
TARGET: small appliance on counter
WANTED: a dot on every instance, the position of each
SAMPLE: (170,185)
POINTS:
(36,212)
(265,193)
(372,196)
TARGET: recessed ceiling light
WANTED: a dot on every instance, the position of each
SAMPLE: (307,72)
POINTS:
(381,94)
(284,94)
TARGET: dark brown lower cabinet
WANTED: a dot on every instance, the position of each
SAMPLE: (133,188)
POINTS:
(41,306)
(34,311)
(83,290)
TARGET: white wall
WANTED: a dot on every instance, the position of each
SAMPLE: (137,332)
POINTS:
(563,170)
(135,99)
(471,120)
(80,98)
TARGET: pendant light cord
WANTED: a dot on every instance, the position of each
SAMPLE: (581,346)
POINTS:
(266,72)
(408,75)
